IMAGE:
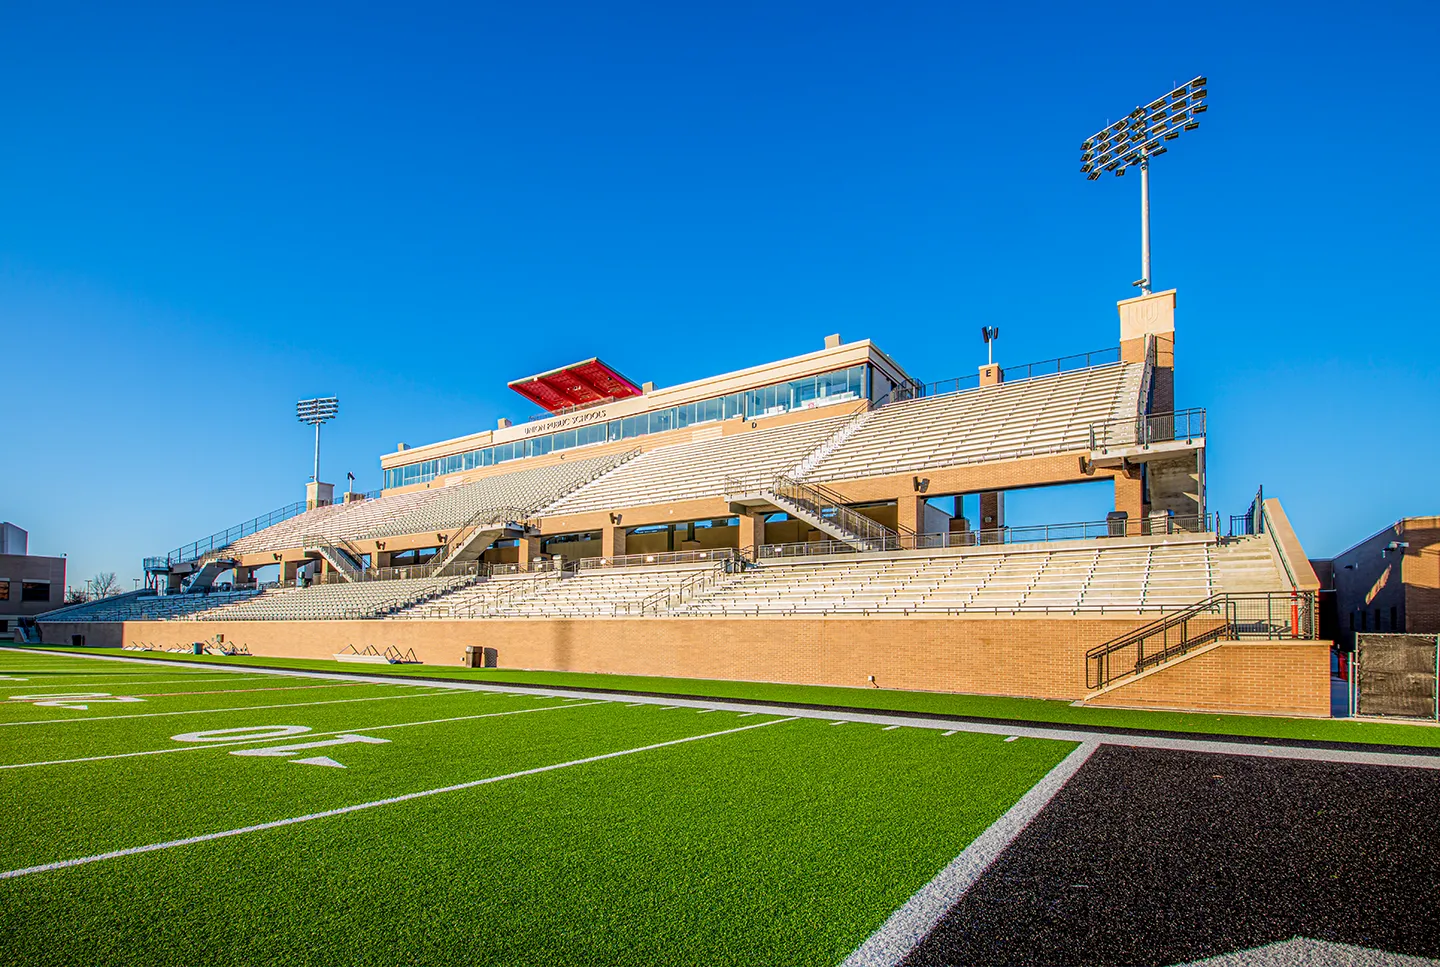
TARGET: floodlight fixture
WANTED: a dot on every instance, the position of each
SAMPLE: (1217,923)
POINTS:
(1133,141)
(320,410)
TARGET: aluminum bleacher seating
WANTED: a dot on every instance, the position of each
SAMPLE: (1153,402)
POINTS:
(1072,577)
(145,606)
(1047,414)
(366,599)
(423,511)
(701,468)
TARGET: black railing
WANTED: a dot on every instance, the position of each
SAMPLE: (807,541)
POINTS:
(1013,374)
(1149,429)
(1221,617)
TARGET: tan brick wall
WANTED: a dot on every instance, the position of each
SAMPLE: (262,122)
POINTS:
(1026,656)
(1278,678)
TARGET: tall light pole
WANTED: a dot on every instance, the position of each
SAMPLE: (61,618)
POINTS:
(1138,137)
(317,411)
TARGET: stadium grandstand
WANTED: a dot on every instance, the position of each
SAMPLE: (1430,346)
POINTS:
(788,522)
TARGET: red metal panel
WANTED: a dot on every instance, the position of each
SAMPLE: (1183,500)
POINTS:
(589,381)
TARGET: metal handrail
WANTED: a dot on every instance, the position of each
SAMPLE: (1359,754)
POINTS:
(666,598)
(1038,533)
(480,520)
(1286,615)
(1148,429)
(826,504)
(222,539)
(1020,373)
(657,557)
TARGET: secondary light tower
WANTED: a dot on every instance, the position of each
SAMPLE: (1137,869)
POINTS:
(1138,137)
(317,411)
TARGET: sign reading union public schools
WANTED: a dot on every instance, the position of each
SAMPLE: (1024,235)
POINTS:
(583,418)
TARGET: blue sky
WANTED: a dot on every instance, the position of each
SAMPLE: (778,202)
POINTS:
(206,214)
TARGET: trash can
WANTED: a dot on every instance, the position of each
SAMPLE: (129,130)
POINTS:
(1118,521)
(198,648)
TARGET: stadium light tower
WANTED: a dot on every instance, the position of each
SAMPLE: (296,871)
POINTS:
(1138,137)
(317,411)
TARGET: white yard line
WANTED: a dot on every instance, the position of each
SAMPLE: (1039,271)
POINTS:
(282,738)
(120,680)
(238,708)
(393,800)
(912,923)
(244,691)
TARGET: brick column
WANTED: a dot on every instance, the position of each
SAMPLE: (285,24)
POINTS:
(529,547)
(990,375)
(612,540)
(992,514)
(752,530)
(910,513)
(1130,497)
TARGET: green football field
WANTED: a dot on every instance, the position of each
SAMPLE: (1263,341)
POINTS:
(173,814)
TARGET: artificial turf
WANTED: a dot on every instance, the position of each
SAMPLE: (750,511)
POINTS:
(788,842)
(1001,708)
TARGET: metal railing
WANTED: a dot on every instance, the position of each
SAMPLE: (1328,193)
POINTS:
(1154,526)
(223,539)
(1152,428)
(658,557)
(1016,374)
(1221,617)
(484,519)
(667,599)
(409,572)
(825,504)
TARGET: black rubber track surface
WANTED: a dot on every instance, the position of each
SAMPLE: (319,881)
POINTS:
(1161,857)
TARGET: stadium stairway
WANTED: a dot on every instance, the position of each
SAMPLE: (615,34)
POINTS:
(342,556)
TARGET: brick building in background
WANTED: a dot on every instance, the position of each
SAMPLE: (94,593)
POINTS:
(29,585)
(1388,582)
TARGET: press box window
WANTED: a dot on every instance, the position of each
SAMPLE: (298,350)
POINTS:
(34,591)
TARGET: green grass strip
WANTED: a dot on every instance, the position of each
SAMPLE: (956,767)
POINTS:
(1033,710)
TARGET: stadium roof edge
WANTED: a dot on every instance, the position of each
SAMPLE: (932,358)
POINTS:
(817,361)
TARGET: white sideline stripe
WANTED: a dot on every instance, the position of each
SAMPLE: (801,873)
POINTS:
(1354,754)
(326,814)
(914,921)
(119,680)
(278,738)
(242,691)
(238,708)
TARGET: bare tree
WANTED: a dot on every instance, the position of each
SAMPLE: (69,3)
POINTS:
(104,584)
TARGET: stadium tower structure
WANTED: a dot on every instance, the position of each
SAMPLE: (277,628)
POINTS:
(779,523)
